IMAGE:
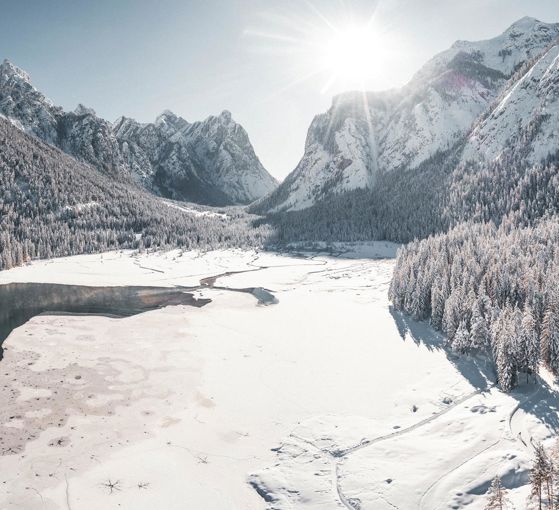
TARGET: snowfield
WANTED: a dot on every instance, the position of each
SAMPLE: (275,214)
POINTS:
(325,400)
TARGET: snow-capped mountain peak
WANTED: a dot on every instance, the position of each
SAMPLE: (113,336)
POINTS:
(525,24)
(24,106)
(84,110)
(10,71)
(523,40)
(366,134)
(225,116)
(210,162)
(168,117)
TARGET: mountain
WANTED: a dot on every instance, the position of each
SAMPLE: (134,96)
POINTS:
(364,136)
(525,115)
(210,162)
(80,133)
(53,205)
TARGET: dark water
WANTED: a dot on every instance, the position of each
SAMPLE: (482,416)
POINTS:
(19,302)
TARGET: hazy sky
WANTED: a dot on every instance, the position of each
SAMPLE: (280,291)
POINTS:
(261,59)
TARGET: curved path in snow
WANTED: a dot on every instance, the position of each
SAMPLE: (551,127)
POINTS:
(338,456)
(367,443)
(515,430)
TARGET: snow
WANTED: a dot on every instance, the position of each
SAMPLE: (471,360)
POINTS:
(364,134)
(307,180)
(327,399)
(533,96)
(195,212)
(434,121)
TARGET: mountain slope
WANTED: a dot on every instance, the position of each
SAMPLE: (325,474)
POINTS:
(526,114)
(52,205)
(365,135)
(209,162)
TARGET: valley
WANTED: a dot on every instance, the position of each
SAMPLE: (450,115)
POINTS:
(375,327)
(289,405)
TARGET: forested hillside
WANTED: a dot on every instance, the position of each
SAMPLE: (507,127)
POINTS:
(490,282)
(438,195)
(489,289)
(401,207)
(52,205)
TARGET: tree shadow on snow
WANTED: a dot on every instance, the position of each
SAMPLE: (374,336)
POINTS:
(477,370)
(544,403)
(538,399)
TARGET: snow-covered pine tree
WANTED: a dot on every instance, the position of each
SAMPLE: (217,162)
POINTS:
(462,339)
(550,334)
(497,496)
(530,341)
(439,295)
(452,313)
(517,341)
(503,334)
(480,338)
(541,478)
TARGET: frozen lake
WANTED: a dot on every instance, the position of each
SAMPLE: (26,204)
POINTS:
(325,400)
(19,302)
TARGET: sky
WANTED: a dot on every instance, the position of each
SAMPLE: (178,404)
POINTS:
(274,64)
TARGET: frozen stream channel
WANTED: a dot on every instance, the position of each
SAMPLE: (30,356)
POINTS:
(326,400)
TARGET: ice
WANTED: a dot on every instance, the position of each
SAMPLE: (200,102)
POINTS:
(327,399)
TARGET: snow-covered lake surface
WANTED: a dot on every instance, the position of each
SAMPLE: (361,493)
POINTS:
(324,400)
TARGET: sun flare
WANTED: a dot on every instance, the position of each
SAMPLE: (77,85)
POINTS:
(336,53)
(348,53)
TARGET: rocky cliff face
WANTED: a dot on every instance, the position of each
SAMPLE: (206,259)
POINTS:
(210,162)
(451,100)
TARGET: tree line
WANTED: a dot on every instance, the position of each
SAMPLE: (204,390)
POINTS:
(489,289)
(52,205)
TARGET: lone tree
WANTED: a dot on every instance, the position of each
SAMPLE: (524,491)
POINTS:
(541,478)
(497,496)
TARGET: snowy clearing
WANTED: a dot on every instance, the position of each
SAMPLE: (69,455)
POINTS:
(327,399)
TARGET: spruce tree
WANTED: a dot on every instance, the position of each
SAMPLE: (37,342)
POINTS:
(480,338)
(497,496)
(541,477)
(530,341)
(550,335)
(461,342)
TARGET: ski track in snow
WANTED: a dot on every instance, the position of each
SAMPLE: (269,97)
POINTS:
(448,473)
(515,435)
(517,412)
(337,457)
(516,429)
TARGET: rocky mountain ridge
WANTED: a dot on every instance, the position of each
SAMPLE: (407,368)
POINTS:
(453,99)
(210,162)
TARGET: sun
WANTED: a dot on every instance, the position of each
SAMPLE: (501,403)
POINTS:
(338,52)
(348,53)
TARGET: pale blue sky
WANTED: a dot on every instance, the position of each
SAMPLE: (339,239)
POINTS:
(198,57)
